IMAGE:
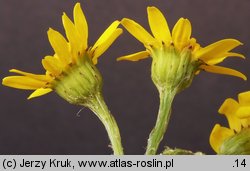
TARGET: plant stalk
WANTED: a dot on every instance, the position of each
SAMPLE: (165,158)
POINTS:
(99,107)
(157,134)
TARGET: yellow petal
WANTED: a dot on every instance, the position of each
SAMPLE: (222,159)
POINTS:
(229,108)
(218,136)
(181,33)
(73,37)
(135,56)
(245,122)
(81,24)
(244,98)
(107,34)
(243,112)
(40,92)
(196,48)
(105,45)
(52,65)
(158,25)
(137,31)
(23,82)
(223,70)
(219,58)
(34,76)
(193,42)
(60,46)
(216,49)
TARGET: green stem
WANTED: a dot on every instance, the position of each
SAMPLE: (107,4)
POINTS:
(99,107)
(157,134)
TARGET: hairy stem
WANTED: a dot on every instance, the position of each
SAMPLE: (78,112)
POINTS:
(99,107)
(157,134)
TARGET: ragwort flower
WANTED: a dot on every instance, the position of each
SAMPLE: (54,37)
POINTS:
(177,56)
(71,71)
(72,67)
(236,138)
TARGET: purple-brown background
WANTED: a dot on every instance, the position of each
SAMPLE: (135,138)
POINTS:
(49,125)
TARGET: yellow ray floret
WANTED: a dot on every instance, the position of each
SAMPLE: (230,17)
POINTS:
(135,57)
(218,136)
(238,116)
(68,51)
(158,25)
(180,38)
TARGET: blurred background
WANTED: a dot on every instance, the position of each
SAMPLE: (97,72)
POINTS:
(50,125)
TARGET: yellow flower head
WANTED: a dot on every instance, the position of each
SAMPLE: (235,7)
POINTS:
(72,56)
(236,138)
(164,44)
